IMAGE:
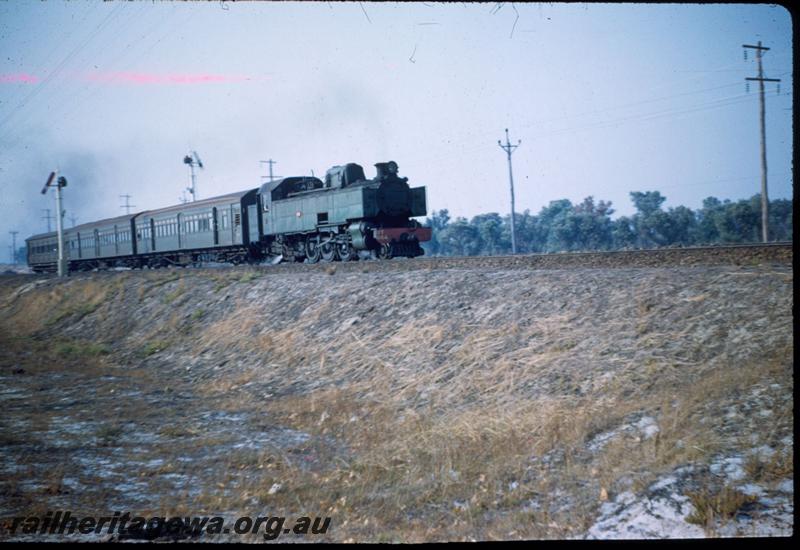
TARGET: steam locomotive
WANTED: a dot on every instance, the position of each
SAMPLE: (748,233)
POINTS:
(301,219)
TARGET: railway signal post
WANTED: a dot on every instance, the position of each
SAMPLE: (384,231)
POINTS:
(61,265)
(193,160)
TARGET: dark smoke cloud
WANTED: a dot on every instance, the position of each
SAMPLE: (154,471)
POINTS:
(89,195)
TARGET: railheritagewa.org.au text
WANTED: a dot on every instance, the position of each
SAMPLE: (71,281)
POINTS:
(66,523)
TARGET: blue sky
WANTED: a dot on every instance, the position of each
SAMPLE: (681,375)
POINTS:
(606,99)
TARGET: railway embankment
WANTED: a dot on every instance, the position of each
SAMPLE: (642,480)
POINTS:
(444,402)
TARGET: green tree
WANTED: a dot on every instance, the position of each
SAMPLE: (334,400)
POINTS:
(623,233)
(780,219)
(648,218)
(529,239)
(460,239)
(437,222)
(592,225)
(490,233)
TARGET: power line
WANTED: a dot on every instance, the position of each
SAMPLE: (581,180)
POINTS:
(667,113)
(640,117)
(90,90)
(59,43)
(540,122)
(43,84)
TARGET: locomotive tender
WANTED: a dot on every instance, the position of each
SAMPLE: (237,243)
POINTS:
(343,218)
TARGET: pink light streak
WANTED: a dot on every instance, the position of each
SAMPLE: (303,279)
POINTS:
(164,79)
(137,78)
(18,78)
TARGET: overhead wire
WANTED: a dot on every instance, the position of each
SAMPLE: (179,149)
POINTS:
(478,135)
(676,111)
(57,70)
(60,41)
(717,102)
(91,89)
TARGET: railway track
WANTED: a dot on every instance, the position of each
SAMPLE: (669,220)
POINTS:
(739,254)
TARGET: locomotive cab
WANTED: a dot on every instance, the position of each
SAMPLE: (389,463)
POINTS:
(342,176)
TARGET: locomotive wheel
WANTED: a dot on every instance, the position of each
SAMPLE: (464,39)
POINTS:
(312,251)
(346,252)
(329,252)
(385,252)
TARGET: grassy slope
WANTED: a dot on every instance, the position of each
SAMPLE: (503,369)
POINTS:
(440,405)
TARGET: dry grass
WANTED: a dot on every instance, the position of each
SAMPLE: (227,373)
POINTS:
(777,467)
(432,421)
(710,506)
(35,309)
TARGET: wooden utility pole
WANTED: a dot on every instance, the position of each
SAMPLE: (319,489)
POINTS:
(760,79)
(127,206)
(508,148)
(270,162)
(47,217)
(14,246)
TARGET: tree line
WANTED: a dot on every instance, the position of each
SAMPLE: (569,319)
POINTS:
(562,226)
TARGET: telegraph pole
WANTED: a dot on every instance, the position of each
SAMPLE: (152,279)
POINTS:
(47,217)
(127,206)
(760,79)
(73,218)
(508,148)
(14,247)
(270,162)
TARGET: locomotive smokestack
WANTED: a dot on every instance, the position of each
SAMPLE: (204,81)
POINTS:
(386,169)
